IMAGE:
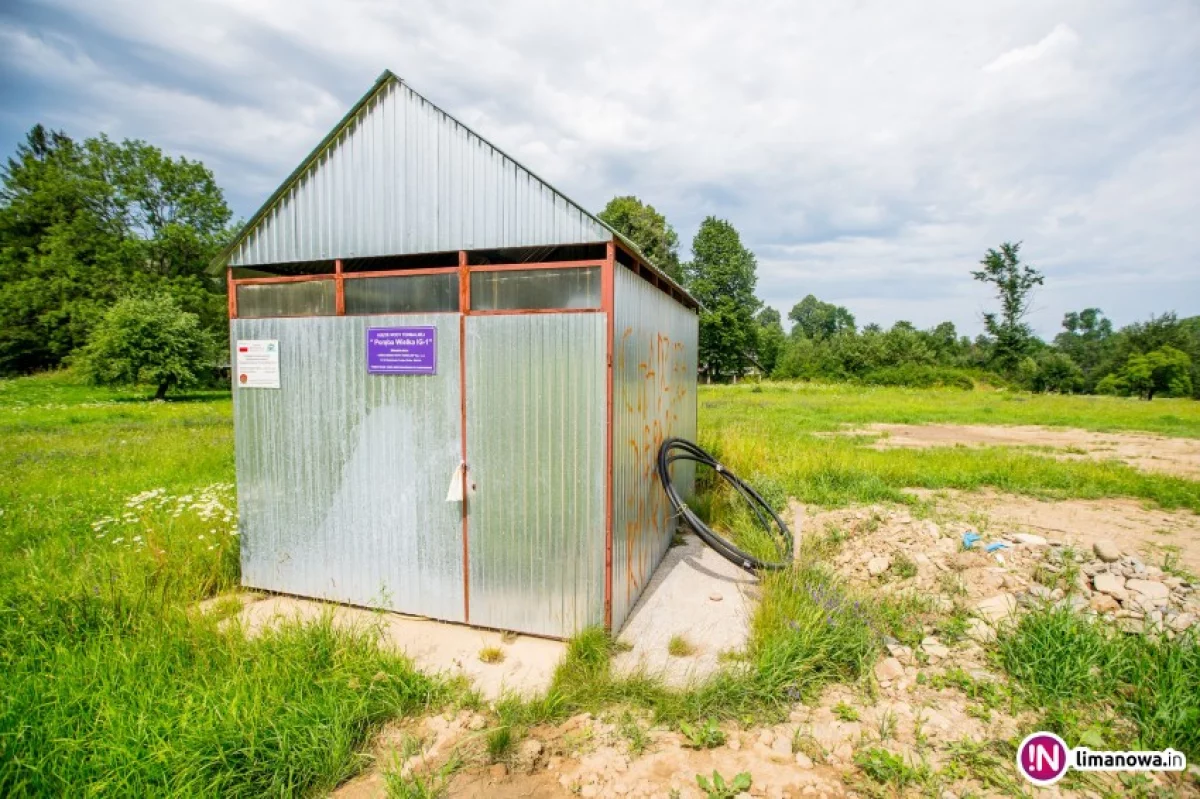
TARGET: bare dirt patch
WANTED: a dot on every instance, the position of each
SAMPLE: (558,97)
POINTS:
(939,704)
(1154,534)
(1177,456)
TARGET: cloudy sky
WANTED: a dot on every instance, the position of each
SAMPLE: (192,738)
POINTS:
(869,152)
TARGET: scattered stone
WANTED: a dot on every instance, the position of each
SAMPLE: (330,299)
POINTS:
(935,651)
(1182,622)
(997,608)
(980,631)
(1104,603)
(1029,540)
(1110,584)
(715,597)
(1107,551)
(878,565)
(1039,591)
(782,745)
(803,760)
(901,653)
(888,669)
(1149,588)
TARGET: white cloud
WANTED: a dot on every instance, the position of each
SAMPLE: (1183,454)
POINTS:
(868,153)
(1058,41)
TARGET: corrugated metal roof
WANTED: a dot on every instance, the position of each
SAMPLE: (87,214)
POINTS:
(398,175)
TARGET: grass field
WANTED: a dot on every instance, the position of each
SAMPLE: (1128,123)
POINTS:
(117,515)
(768,434)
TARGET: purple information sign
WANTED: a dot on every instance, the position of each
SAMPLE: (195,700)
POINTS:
(402,350)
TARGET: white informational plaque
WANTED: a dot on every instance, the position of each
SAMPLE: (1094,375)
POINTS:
(257,364)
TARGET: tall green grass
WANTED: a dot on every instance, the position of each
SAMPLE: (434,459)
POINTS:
(1082,671)
(116,516)
(811,630)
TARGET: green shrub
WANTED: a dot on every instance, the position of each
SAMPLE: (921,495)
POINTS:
(146,341)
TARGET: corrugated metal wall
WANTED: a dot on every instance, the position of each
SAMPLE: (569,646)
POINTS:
(654,397)
(535,450)
(342,475)
(405,178)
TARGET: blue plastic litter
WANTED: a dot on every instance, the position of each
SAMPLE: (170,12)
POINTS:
(970,538)
(992,547)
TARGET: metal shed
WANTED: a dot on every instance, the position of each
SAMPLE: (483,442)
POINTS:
(450,383)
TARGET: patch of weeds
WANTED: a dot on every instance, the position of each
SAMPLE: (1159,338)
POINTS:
(632,731)
(805,743)
(952,627)
(903,616)
(410,745)
(703,736)
(919,737)
(825,545)
(1081,671)
(952,584)
(887,726)
(417,785)
(500,742)
(986,761)
(904,567)
(872,522)
(888,768)
(718,788)
(491,654)
(1055,654)
(731,656)
(1170,565)
(988,693)
(680,647)
(845,712)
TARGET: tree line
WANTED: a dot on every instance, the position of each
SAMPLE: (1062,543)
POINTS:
(739,336)
(104,249)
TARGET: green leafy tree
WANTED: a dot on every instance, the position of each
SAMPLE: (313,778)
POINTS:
(771,339)
(1162,371)
(648,229)
(81,224)
(819,320)
(146,341)
(722,275)
(1057,372)
(1087,339)
(1014,282)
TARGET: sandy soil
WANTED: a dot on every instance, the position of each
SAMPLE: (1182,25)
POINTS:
(1151,532)
(1177,456)
(903,706)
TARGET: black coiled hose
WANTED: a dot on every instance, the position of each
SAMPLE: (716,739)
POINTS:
(677,449)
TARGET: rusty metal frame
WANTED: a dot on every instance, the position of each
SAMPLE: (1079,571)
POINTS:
(433,270)
(339,289)
(538,265)
(464,307)
(607,297)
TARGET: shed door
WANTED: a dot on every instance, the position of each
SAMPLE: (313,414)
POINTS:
(342,474)
(535,402)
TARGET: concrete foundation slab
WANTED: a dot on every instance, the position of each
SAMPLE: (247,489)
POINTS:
(697,594)
(434,647)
